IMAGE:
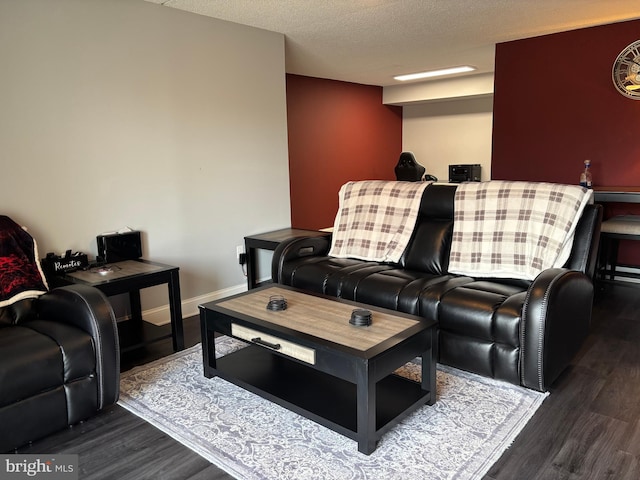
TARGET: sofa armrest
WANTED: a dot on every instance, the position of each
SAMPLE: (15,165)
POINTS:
(88,309)
(584,254)
(298,247)
(555,322)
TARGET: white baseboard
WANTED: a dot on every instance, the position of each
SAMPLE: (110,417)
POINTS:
(161,315)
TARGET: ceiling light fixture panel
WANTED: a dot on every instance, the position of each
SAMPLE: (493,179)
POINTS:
(434,73)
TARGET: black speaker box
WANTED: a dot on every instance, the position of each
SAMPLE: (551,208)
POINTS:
(464,173)
(119,246)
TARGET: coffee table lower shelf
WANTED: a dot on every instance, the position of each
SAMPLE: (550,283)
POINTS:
(323,398)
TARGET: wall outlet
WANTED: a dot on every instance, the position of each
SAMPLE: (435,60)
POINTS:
(241,255)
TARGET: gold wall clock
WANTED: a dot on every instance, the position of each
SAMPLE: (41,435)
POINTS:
(626,71)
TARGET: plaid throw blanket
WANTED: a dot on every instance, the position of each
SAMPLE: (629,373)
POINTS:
(375,219)
(508,229)
(20,272)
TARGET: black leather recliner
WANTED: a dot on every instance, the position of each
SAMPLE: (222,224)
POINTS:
(522,332)
(59,362)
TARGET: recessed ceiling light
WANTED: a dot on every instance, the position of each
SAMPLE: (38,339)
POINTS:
(435,73)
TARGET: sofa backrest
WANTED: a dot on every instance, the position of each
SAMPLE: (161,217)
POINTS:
(584,253)
(17,312)
(429,248)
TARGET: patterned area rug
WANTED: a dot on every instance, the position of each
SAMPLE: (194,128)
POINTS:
(473,421)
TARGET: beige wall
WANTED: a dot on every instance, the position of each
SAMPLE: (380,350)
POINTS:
(456,131)
(122,112)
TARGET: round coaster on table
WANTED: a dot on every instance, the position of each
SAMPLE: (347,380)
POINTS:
(277,303)
(360,317)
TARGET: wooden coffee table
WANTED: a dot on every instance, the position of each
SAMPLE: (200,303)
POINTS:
(311,360)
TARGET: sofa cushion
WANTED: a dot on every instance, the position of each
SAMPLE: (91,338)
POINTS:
(17,312)
(485,310)
(30,363)
(328,274)
(480,324)
(76,347)
(24,420)
(346,282)
(395,288)
(38,356)
(493,360)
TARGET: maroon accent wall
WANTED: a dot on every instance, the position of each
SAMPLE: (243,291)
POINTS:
(338,132)
(555,106)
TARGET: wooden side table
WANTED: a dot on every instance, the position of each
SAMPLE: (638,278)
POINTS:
(270,241)
(130,276)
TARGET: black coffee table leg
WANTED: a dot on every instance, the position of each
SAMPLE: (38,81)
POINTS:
(208,344)
(366,398)
(429,360)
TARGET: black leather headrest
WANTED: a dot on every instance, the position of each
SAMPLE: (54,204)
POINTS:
(437,201)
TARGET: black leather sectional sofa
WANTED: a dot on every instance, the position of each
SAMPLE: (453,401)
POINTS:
(59,362)
(523,332)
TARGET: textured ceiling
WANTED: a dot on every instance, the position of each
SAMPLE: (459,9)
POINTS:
(370,41)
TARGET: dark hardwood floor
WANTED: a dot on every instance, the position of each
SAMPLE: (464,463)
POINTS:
(119,445)
(588,427)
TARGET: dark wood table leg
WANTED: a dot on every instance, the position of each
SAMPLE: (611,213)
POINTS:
(251,266)
(175,307)
(136,308)
(135,324)
(366,399)
(208,345)
(429,360)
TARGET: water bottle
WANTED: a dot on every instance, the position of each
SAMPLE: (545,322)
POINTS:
(585,177)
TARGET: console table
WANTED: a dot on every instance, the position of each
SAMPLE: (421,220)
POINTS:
(130,276)
(616,194)
(614,229)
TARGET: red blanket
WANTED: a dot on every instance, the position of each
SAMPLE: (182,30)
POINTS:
(20,272)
